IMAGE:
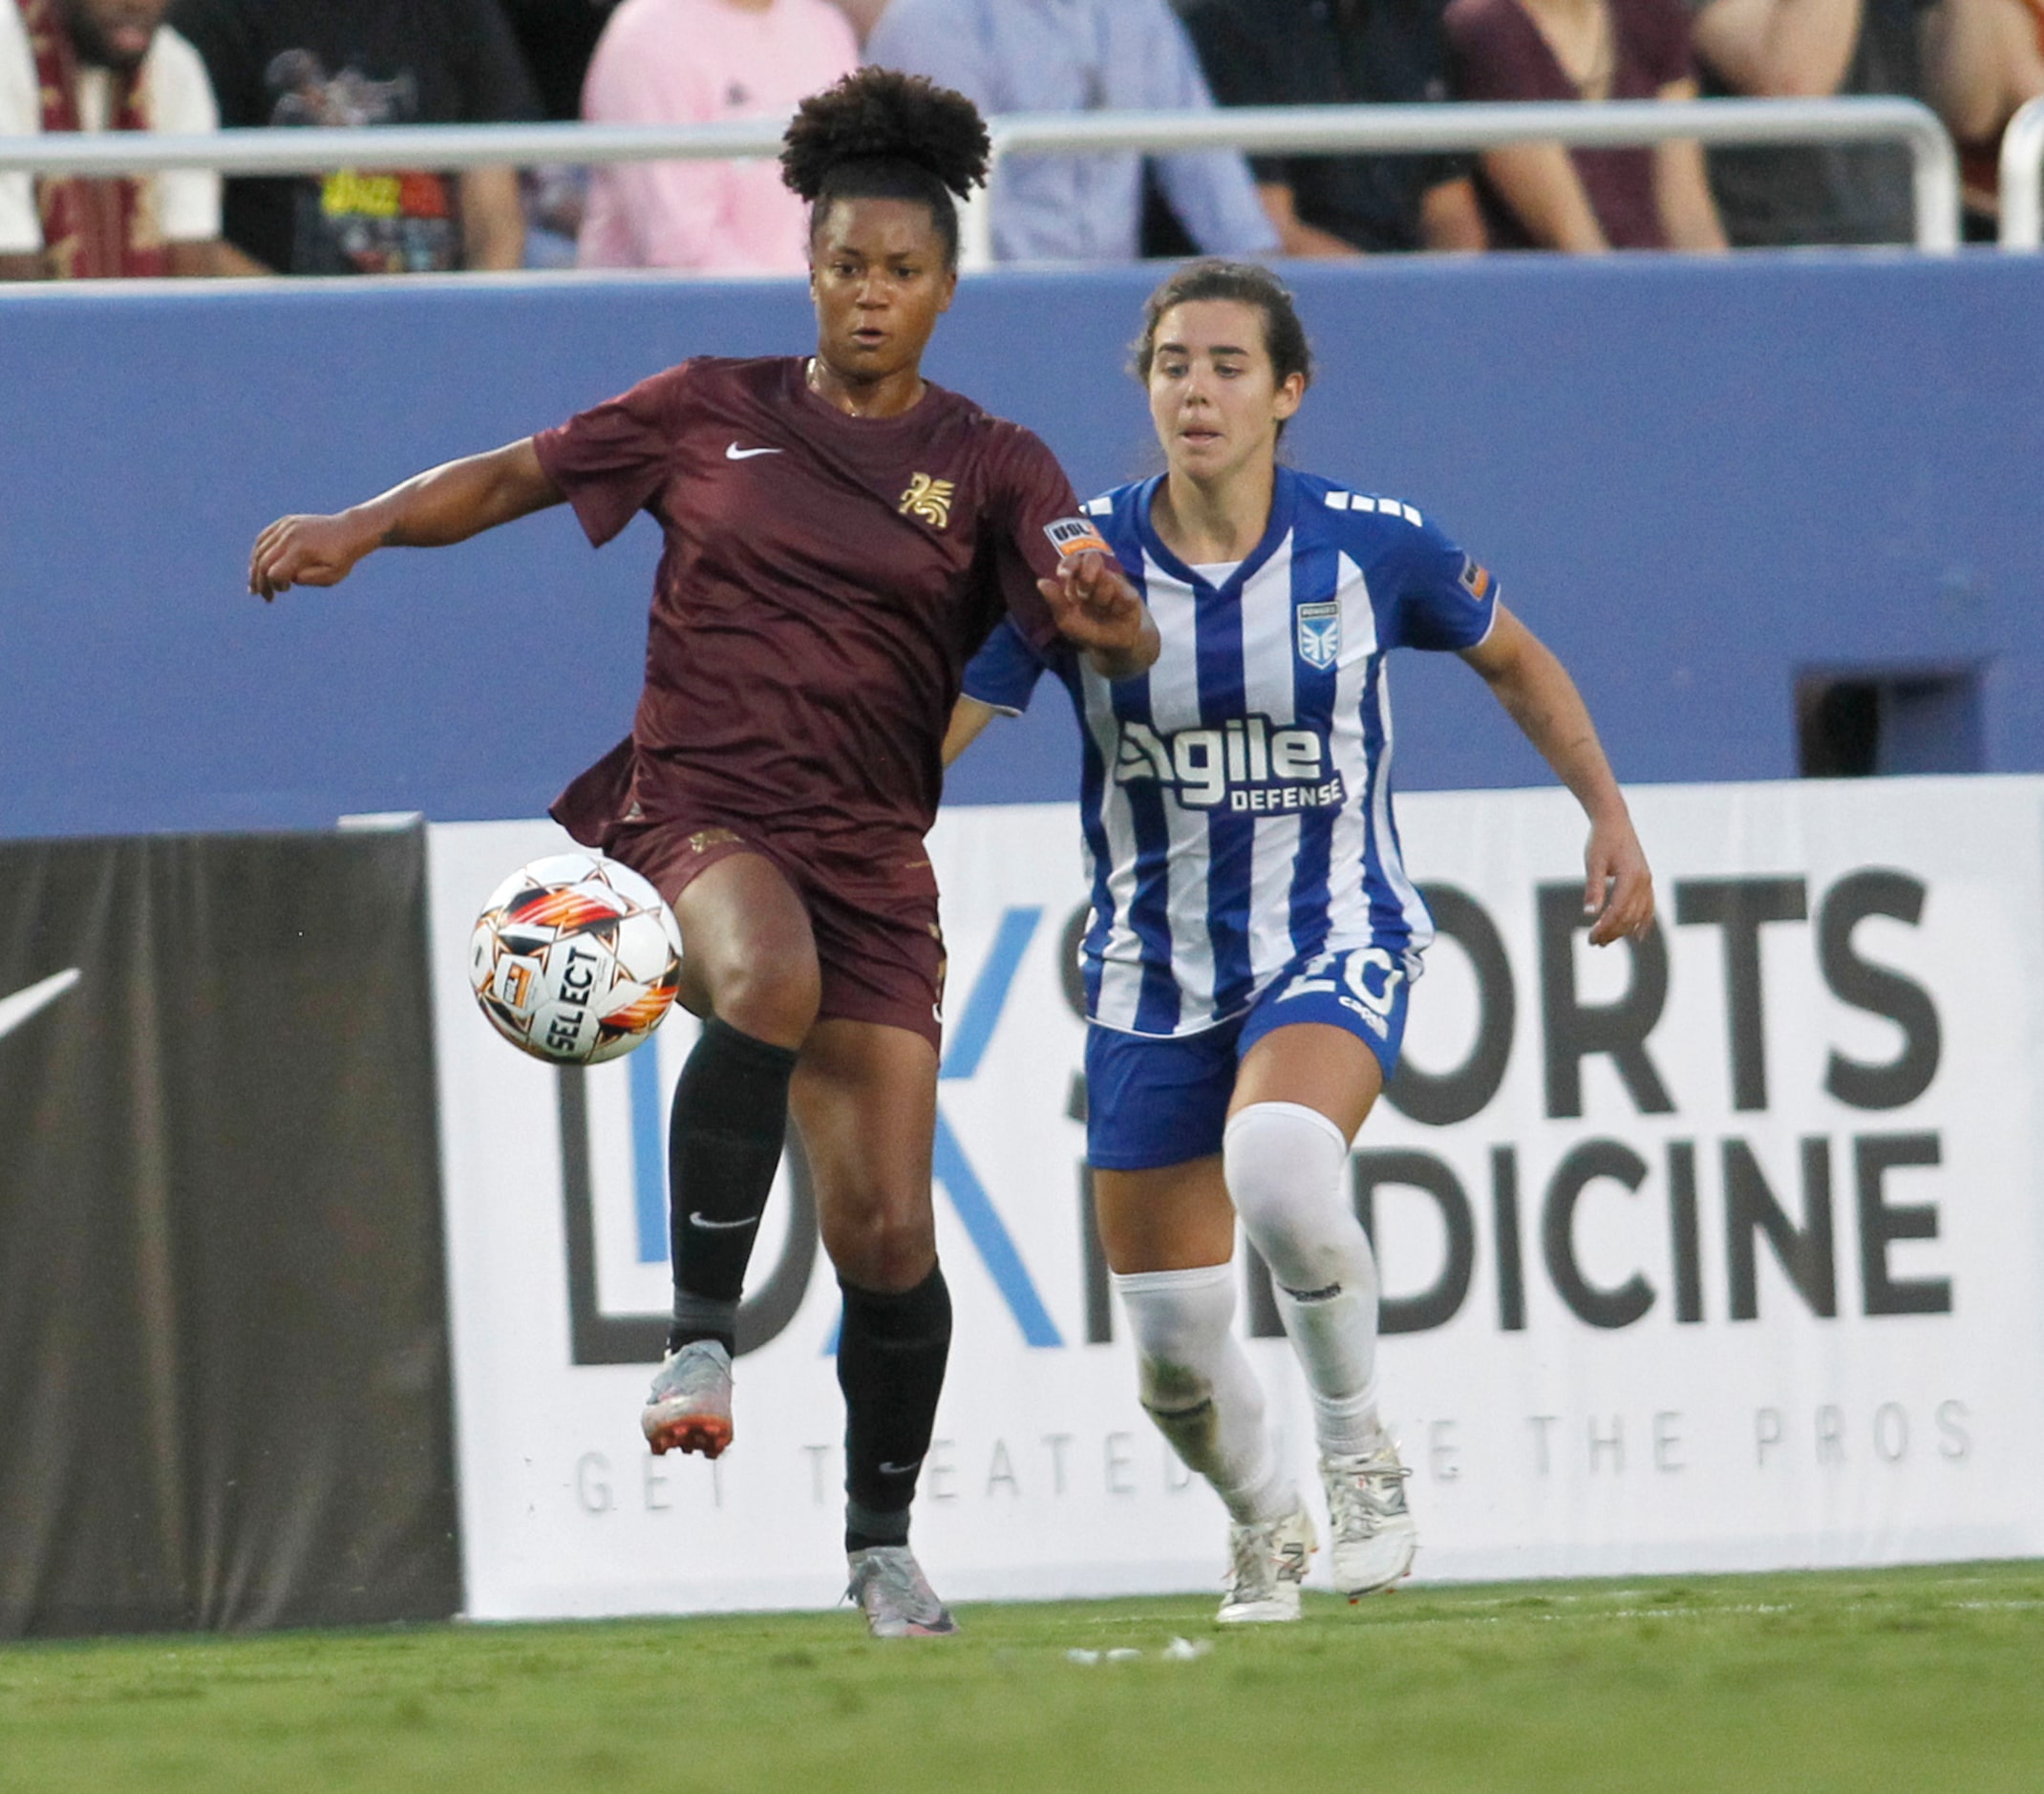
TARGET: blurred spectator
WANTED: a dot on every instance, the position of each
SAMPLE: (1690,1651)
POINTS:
(367,62)
(558,38)
(863,15)
(103,65)
(554,198)
(1984,58)
(697,62)
(1806,48)
(1079,55)
(1543,196)
(1336,53)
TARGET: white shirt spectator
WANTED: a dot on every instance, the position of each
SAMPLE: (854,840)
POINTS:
(1079,55)
(176,97)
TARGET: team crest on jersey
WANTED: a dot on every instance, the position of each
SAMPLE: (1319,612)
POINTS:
(929,499)
(1475,580)
(1319,633)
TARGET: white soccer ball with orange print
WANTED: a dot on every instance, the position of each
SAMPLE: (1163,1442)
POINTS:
(575,959)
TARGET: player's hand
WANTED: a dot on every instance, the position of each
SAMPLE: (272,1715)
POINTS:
(1618,889)
(1096,609)
(306,552)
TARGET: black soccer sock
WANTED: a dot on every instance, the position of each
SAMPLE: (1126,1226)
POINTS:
(891,1353)
(724,1143)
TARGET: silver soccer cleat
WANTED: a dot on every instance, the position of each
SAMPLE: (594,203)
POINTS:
(894,1594)
(1269,1559)
(1374,1539)
(689,1406)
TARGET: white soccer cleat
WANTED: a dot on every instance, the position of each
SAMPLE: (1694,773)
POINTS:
(689,1408)
(1269,1564)
(1373,1538)
(895,1595)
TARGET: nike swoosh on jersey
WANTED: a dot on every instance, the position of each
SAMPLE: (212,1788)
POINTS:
(736,453)
(703,1221)
(23,1004)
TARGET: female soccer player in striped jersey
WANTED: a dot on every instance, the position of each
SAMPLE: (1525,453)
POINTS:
(841,535)
(1253,929)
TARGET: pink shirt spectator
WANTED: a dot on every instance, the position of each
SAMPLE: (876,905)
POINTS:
(695,62)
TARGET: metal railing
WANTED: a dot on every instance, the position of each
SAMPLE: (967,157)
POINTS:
(1473,125)
(1388,130)
(2022,179)
(314,151)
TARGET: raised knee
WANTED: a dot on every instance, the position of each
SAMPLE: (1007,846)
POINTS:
(1283,1162)
(771,996)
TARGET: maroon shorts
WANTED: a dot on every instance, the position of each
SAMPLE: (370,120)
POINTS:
(872,904)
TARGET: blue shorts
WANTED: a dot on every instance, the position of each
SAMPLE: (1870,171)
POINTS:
(1156,1100)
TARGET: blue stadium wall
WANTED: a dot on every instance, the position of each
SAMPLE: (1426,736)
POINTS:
(1698,480)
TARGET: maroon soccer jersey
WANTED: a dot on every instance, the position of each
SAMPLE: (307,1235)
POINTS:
(825,578)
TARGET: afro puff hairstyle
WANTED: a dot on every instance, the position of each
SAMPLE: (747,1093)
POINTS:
(882,134)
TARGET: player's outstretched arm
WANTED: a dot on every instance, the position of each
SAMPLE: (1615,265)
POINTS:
(445,504)
(1540,697)
(1099,612)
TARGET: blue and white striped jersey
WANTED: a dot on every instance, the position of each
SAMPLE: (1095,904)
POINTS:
(1236,799)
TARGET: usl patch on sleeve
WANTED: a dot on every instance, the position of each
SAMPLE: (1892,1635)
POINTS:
(1475,579)
(1075,535)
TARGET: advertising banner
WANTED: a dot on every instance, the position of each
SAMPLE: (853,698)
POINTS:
(1720,1251)
(223,1368)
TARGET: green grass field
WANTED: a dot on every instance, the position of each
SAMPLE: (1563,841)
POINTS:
(1894,1680)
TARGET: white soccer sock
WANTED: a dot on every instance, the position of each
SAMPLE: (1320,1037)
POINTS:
(1284,1165)
(1199,1389)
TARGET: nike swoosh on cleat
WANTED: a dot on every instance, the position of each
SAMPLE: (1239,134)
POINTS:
(703,1221)
(736,453)
(23,1004)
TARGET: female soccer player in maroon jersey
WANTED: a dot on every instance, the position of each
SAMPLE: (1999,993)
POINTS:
(841,536)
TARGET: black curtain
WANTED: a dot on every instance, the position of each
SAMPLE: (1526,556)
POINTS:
(224,1362)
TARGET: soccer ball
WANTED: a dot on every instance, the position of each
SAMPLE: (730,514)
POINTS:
(575,959)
